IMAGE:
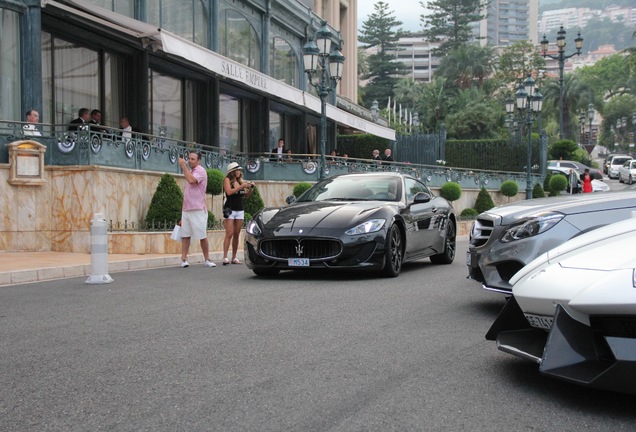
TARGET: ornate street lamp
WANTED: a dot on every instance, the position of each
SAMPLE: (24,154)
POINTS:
(590,116)
(323,66)
(375,110)
(634,125)
(528,102)
(581,126)
(561,57)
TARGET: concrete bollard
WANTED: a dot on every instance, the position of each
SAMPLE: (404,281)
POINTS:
(99,251)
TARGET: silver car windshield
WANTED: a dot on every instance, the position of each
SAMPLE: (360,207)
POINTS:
(356,188)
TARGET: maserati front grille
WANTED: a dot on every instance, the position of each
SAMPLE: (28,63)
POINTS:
(314,249)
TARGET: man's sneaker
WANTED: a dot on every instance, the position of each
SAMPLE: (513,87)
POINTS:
(184,263)
(209,263)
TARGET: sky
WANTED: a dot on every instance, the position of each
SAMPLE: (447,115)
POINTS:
(407,11)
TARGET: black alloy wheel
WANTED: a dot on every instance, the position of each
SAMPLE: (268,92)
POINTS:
(448,254)
(394,252)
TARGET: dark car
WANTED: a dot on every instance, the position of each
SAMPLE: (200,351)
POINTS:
(596,173)
(370,221)
(506,238)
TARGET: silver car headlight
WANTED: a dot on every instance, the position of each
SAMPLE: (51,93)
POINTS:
(532,227)
(367,227)
(252,228)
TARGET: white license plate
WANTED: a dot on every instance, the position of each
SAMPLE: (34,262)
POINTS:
(539,321)
(298,262)
(468,259)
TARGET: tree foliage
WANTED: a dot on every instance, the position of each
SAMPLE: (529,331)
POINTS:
(379,32)
(562,149)
(450,22)
(466,65)
(517,61)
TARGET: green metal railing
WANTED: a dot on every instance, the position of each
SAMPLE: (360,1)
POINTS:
(91,145)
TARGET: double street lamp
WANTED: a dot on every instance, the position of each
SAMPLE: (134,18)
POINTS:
(323,66)
(528,102)
(590,116)
(561,57)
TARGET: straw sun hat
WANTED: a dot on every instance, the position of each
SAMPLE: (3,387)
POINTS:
(233,166)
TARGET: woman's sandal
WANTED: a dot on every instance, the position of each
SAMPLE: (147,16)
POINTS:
(226,261)
(236,261)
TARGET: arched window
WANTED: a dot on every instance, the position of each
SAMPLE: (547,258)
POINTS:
(283,61)
(239,40)
(186,18)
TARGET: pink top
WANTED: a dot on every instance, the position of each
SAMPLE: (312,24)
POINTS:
(194,193)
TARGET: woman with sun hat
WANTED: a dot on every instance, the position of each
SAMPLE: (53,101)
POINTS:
(235,189)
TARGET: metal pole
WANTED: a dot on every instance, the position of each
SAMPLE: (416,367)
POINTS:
(529,163)
(323,127)
(561,67)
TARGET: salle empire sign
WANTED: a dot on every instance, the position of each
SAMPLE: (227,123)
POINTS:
(238,73)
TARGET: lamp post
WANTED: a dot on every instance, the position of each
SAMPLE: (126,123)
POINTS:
(375,111)
(581,127)
(591,112)
(561,57)
(634,125)
(323,66)
(529,102)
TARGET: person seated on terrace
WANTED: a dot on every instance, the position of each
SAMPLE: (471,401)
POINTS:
(32,118)
(83,117)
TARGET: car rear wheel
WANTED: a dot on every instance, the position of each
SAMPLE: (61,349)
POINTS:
(394,252)
(630,180)
(265,272)
(448,254)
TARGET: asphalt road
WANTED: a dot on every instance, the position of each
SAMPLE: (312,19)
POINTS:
(219,350)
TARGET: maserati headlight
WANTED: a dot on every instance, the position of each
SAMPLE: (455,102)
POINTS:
(252,228)
(367,227)
(532,227)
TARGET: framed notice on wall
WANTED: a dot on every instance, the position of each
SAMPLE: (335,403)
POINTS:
(28,166)
(26,160)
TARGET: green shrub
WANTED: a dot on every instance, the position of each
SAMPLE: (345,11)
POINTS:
(215,181)
(300,188)
(254,203)
(165,207)
(484,201)
(558,183)
(546,184)
(247,217)
(211,220)
(469,213)
(562,149)
(451,191)
(509,188)
(537,191)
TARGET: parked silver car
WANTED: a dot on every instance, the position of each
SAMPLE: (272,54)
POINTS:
(596,173)
(506,238)
(627,173)
(616,162)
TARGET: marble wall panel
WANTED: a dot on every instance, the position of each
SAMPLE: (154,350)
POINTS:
(57,215)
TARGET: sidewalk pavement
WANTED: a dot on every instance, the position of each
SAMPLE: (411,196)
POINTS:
(27,267)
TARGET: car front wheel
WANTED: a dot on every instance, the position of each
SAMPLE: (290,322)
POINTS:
(448,254)
(394,252)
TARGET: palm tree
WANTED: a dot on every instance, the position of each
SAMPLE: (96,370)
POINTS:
(466,65)
(575,92)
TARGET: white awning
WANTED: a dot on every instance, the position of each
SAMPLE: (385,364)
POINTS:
(170,43)
(234,71)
